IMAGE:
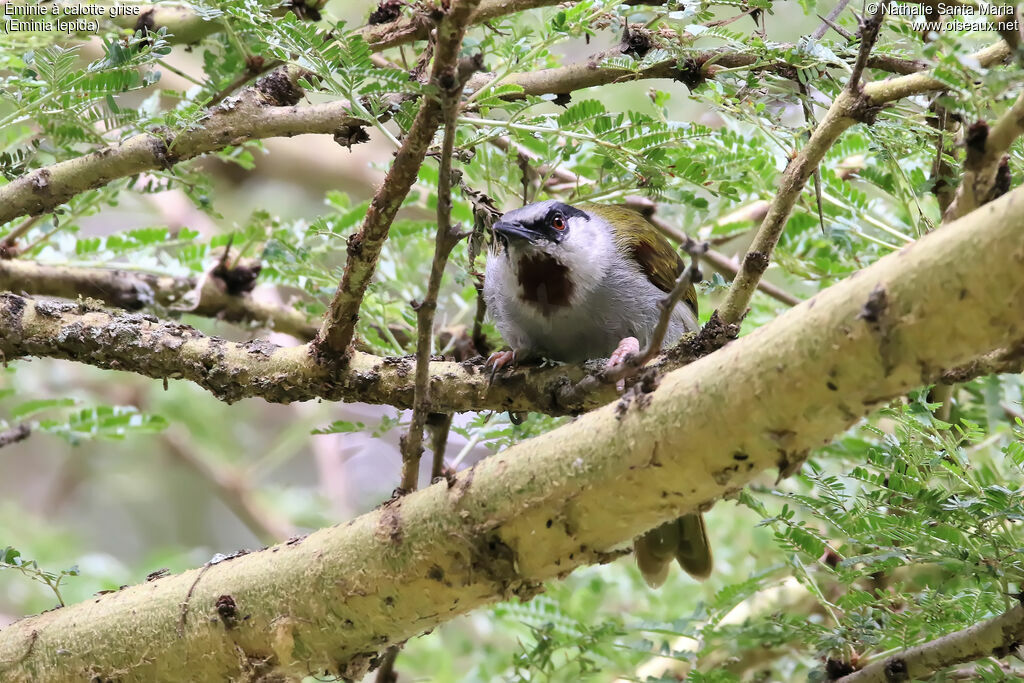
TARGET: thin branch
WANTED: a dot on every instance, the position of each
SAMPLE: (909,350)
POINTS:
(984,161)
(364,247)
(687,279)
(256,117)
(997,637)
(386,672)
(868,35)
(253,70)
(262,111)
(234,490)
(726,265)
(8,246)
(440,425)
(942,170)
(15,434)
(827,22)
(446,238)
(501,529)
(134,290)
(232,371)
(538,169)
(406,30)
(855,103)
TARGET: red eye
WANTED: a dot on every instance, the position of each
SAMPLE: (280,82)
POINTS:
(558,223)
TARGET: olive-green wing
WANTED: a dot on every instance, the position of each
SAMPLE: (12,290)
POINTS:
(641,241)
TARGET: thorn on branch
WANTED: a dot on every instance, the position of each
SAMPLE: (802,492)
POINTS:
(835,27)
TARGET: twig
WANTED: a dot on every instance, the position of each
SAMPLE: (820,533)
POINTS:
(403,30)
(477,335)
(15,434)
(827,22)
(364,247)
(984,159)
(554,174)
(262,111)
(726,265)
(134,290)
(868,36)
(386,671)
(688,278)
(612,375)
(234,490)
(252,71)
(854,104)
(445,240)
(835,27)
(9,243)
(941,170)
(998,637)
(440,425)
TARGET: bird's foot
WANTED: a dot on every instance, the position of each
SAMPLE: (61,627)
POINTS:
(497,360)
(629,346)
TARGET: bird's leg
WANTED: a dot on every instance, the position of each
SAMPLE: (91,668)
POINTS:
(498,360)
(629,346)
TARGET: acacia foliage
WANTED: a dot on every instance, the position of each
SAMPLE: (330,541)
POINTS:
(902,530)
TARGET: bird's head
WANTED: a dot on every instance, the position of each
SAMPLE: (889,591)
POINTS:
(570,235)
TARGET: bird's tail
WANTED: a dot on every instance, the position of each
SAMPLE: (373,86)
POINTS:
(684,540)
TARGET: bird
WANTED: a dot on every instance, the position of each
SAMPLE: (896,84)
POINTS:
(573,283)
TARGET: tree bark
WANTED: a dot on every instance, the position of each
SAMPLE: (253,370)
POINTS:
(334,600)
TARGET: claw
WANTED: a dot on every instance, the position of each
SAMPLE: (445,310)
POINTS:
(497,361)
(629,346)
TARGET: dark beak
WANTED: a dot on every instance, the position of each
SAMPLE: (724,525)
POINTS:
(509,230)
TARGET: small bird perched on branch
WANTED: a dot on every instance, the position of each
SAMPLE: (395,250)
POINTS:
(571,283)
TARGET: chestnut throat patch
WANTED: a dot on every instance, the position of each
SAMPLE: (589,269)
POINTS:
(544,281)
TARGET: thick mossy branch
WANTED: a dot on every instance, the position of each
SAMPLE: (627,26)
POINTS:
(852,105)
(267,109)
(134,291)
(232,371)
(998,637)
(573,496)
